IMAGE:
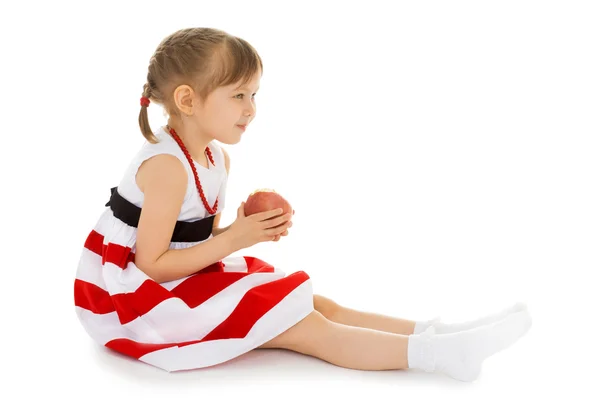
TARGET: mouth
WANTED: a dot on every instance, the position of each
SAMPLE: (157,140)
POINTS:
(242,127)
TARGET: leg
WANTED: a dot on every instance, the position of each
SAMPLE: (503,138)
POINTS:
(347,316)
(458,355)
(344,346)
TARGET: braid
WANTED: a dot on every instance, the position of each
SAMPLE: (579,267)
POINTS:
(143,118)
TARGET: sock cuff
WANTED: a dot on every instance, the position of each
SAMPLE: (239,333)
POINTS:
(421,353)
(421,326)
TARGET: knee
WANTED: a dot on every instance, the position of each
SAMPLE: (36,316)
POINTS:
(326,306)
(302,335)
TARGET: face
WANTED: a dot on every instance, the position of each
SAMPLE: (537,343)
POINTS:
(226,108)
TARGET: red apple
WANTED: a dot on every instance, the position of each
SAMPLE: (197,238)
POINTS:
(264,200)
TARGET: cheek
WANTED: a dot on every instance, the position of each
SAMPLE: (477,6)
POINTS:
(228,113)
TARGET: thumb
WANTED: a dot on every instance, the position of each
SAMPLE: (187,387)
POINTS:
(240,212)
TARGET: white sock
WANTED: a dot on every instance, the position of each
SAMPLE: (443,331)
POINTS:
(440,327)
(460,355)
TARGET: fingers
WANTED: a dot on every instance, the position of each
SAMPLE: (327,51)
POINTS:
(275,224)
(278,230)
(276,238)
(276,221)
(267,214)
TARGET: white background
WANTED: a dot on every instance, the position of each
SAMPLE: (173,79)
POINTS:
(442,158)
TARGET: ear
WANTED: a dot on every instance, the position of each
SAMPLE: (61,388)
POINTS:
(184,99)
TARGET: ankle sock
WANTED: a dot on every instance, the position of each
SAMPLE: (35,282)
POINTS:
(460,355)
(440,327)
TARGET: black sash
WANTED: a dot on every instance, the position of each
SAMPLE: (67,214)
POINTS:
(184,231)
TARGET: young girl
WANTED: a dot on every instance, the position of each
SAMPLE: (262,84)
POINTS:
(156,280)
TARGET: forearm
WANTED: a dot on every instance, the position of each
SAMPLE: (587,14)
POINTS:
(218,231)
(179,263)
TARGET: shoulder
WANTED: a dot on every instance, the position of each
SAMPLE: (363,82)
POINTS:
(226,158)
(162,172)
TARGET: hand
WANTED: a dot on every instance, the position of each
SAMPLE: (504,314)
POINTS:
(276,238)
(246,231)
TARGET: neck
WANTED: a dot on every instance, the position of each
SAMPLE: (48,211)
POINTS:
(194,140)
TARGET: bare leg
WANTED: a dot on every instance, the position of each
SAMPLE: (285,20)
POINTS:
(344,346)
(347,316)
(458,355)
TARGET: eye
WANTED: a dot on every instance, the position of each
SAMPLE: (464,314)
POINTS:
(242,94)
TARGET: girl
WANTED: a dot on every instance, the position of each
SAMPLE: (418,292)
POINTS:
(156,280)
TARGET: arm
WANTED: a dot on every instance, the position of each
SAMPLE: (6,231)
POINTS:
(163,181)
(216,230)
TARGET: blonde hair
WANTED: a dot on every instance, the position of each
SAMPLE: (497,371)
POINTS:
(203,58)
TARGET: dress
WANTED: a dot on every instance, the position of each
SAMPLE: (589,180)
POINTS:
(210,317)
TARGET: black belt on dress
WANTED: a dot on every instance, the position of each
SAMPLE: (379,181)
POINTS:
(184,231)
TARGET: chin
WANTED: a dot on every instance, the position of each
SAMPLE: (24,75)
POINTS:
(231,141)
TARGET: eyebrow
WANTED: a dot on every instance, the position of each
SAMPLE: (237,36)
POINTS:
(246,88)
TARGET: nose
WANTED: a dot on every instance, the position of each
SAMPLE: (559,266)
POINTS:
(250,109)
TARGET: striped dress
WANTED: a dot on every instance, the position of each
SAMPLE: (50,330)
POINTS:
(212,316)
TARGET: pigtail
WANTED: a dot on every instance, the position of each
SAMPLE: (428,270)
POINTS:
(143,118)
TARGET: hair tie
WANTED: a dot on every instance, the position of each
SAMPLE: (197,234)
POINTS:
(144,101)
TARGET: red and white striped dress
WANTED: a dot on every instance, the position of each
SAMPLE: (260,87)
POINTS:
(210,317)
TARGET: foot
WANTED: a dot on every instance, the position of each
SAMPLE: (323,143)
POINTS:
(460,355)
(440,327)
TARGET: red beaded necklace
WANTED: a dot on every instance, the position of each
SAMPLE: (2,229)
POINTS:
(211,210)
